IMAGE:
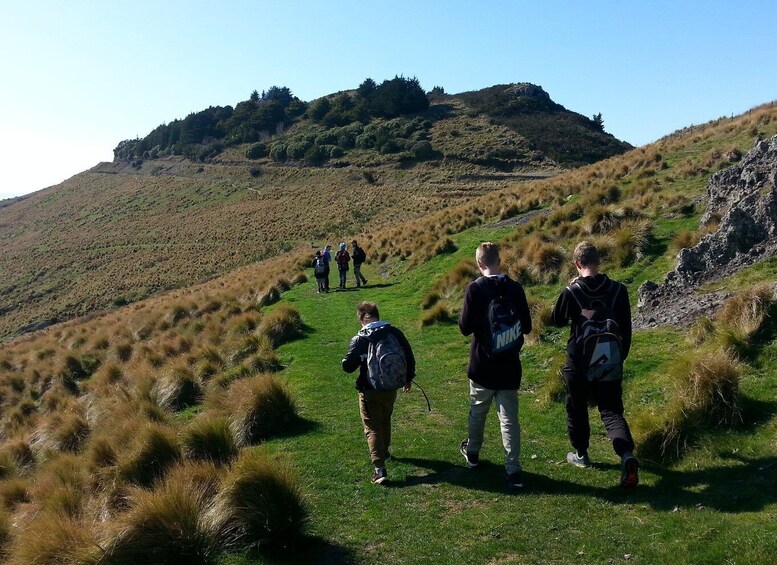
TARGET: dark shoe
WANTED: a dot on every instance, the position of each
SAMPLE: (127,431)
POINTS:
(379,476)
(472,459)
(629,472)
(578,460)
(514,480)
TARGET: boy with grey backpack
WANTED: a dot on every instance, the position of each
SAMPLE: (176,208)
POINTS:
(386,363)
(598,313)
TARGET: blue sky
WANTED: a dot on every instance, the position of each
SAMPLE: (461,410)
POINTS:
(80,76)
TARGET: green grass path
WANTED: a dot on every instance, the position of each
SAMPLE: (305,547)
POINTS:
(716,506)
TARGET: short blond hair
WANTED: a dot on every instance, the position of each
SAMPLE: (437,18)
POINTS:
(488,254)
(586,254)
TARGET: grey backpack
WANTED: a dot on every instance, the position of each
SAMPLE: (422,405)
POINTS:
(386,364)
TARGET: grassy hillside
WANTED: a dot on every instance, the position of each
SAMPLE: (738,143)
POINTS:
(154,220)
(117,234)
(105,421)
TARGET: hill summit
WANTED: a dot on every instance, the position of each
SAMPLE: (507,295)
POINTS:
(394,117)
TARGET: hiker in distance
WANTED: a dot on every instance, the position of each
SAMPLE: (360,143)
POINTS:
(342,259)
(327,254)
(359,257)
(320,271)
(497,315)
(386,363)
(599,342)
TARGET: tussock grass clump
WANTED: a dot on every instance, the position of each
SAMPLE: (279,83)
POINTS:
(225,379)
(20,453)
(540,319)
(69,431)
(282,325)
(746,316)
(709,386)
(123,351)
(438,314)
(13,492)
(604,219)
(54,537)
(209,438)
(167,525)
(268,297)
(7,466)
(177,388)
(452,285)
(259,408)
(631,241)
(101,454)
(546,259)
(109,374)
(5,530)
(706,394)
(261,504)
(155,451)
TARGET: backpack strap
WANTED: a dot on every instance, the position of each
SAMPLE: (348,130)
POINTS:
(612,291)
(574,285)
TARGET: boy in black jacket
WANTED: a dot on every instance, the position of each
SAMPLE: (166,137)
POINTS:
(376,406)
(589,288)
(494,376)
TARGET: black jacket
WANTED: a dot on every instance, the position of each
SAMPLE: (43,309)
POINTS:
(356,358)
(567,309)
(498,372)
(358,256)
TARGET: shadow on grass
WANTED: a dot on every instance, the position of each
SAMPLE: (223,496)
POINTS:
(748,486)
(308,551)
(296,427)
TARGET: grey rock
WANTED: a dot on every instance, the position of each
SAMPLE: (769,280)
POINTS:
(744,198)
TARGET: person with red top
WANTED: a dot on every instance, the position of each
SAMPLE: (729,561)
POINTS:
(342,259)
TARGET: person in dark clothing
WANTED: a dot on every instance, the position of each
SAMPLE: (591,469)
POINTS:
(591,286)
(359,257)
(326,253)
(494,376)
(319,270)
(376,406)
(342,258)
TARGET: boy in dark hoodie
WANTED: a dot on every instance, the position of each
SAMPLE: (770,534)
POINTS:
(585,292)
(494,376)
(376,406)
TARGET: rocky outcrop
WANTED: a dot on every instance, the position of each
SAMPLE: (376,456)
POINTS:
(744,199)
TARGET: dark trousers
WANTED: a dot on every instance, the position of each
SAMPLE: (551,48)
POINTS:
(609,399)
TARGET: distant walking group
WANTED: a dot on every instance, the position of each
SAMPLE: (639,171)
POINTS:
(496,314)
(343,259)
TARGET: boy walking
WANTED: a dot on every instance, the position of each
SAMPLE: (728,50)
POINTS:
(599,342)
(386,363)
(497,315)
(320,270)
(359,257)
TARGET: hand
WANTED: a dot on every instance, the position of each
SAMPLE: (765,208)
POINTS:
(407,387)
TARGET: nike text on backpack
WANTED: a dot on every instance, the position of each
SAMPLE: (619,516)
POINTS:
(598,343)
(319,267)
(386,365)
(504,323)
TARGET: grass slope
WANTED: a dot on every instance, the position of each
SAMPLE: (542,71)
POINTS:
(717,505)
